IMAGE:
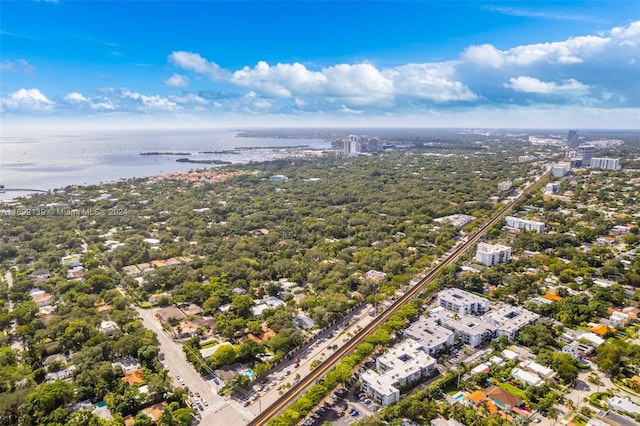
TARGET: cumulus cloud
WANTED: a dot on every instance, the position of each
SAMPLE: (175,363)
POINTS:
(153,102)
(75,97)
(436,82)
(194,62)
(189,98)
(27,100)
(177,80)
(533,85)
(574,50)
(95,103)
(19,65)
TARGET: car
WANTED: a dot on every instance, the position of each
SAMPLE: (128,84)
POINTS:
(198,394)
(340,391)
(367,401)
(341,414)
(296,379)
(536,420)
(335,397)
(190,393)
(246,403)
(281,377)
(279,387)
(200,407)
(206,404)
(354,413)
(315,415)
(216,381)
(286,373)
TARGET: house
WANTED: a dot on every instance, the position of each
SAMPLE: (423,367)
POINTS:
(503,399)
(108,327)
(624,405)
(204,322)
(475,398)
(375,276)
(441,421)
(170,313)
(191,309)
(155,411)
(577,350)
(155,298)
(542,371)
(304,322)
(187,329)
(132,271)
(133,377)
(54,358)
(76,272)
(43,299)
(40,274)
(526,377)
(71,260)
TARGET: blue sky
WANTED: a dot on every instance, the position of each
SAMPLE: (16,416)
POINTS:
(443,64)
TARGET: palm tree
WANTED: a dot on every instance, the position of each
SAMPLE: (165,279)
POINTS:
(552,413)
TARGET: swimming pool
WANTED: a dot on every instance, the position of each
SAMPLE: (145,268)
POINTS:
(460,396)
(100,404)
(249,373)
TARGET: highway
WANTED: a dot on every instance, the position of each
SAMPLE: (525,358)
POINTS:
(293,393)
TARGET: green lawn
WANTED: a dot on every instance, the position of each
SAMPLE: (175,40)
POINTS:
(514,390)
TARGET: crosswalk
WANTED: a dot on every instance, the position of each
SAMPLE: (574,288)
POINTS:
(214,407)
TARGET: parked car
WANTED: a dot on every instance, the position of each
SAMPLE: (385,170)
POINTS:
(354,413)
(246,403)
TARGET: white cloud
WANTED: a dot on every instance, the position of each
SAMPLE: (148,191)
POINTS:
(27,100)
(96,103)
(75,97)
(177,80)
(189,98)
(533,85)
(574,50)
(436,82)
(194,62)
(19,65)
(153,102)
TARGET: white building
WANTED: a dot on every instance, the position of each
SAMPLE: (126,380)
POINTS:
(577,350)
(540,370)
(524,224)
(525,158)
(457,220)
(526,377)
(592,339)
(624,404)
(505,185)
(561,169)
(510,319)
(352,146)
(404,364)
(108,327)
(429,335)
(490,254)
(605,163)
(462,302)
(472,330)
(550,188)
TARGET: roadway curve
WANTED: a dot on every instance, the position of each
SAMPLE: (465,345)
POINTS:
(292,394)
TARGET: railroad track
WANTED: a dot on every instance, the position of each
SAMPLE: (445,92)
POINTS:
(291,395)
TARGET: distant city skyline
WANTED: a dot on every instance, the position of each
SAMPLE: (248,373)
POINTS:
(142,64)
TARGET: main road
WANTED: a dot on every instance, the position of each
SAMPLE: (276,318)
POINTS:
(293,393)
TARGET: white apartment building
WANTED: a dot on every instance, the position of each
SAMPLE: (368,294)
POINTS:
(504,185)
(462,302)
(404,364)
(490,254)
(472,330)
(561,169)
(526,377)
(605,163)
(524,224)
(509,320)
(429,335)
(352,146)
(540,370)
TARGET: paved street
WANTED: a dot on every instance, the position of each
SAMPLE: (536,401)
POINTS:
(174,358)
